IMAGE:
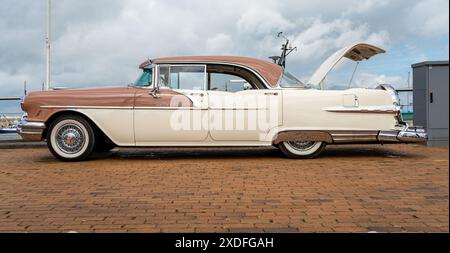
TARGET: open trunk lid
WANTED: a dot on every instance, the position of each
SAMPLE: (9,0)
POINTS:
(356,52)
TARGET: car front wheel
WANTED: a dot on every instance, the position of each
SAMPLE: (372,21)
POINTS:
(302,149)
(71,138)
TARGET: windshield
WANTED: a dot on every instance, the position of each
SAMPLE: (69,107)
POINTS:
(290,81)
(145,79)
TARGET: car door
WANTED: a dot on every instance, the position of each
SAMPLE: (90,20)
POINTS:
(238,111)
(174,111)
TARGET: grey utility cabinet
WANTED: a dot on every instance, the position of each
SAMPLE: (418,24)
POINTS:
(430,100)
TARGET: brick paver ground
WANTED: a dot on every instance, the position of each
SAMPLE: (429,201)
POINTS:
(397,188)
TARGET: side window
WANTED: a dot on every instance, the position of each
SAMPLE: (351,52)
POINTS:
(227,82)
(185,77)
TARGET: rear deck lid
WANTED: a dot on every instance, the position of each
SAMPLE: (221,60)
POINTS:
(356,52)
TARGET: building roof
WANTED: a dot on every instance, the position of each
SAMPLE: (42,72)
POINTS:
(430,63)
(269,71)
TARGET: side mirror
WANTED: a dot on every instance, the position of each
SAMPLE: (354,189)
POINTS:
(155,92)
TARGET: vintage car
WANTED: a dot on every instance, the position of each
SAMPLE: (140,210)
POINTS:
(217,101)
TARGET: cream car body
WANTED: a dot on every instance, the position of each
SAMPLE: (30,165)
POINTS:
(298,118)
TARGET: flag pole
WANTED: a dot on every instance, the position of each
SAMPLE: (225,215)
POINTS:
(47,42)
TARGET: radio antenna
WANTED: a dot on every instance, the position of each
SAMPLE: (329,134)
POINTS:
(286,49)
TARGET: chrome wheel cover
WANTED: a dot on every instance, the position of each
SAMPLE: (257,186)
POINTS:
(301,145)
(70,138)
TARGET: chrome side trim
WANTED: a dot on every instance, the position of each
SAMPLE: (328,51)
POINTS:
(147,107)
(388,136)
(233,108)
(85,107)
(168,108)
(342,136)
(363,109)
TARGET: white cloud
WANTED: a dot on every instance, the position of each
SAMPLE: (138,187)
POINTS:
(321,39)
(429,18)
(262,21)
(102,42)
(220,44)
(365,6)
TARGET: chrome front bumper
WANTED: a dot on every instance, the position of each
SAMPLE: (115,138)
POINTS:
(407,135)
(30,131)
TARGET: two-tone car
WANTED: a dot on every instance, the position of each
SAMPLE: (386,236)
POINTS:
(217,101)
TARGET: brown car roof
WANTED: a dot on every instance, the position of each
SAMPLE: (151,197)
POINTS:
(269,71)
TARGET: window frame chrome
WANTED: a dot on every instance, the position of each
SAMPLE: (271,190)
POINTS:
(205,76)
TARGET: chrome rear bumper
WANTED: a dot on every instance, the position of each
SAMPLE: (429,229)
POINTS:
(407,135)
(30,131)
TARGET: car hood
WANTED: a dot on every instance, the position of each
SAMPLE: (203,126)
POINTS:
(82,91)
(356,52)
(105,96)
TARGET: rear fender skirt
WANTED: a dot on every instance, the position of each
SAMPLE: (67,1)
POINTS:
(303,136)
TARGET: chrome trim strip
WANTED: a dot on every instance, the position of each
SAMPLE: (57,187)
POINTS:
(388,136)
(168,108)
(149,107)
(342,136)
(85,107)
(232,108)
(354,134)
(363,109)
(124,107)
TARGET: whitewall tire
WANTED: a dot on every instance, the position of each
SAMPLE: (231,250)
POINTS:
(71,138)
(302,149)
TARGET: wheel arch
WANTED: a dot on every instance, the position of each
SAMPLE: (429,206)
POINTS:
(94,125)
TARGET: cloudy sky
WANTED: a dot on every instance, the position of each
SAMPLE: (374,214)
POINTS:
(102,42)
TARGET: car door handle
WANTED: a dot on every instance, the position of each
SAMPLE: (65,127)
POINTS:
(271,93)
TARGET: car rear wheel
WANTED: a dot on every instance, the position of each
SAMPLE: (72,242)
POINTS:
(302,149)
(71,138)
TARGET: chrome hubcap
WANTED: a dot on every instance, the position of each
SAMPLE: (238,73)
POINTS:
(301,145)
(70,138)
